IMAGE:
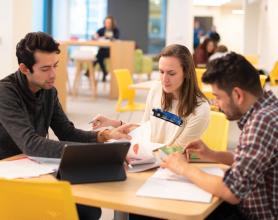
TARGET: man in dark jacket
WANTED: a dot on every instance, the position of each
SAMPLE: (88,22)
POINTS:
(29,105)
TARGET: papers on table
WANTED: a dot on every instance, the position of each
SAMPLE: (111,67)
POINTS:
(141,147)
(140,154)
(23,168)
(143,165)
(52,163)
(166,184)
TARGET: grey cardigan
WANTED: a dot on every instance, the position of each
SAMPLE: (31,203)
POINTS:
(25,118)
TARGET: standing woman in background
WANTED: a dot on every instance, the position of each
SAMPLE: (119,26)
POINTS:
(110,32)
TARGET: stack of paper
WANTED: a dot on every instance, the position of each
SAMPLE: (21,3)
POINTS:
(166,184)
(23,168)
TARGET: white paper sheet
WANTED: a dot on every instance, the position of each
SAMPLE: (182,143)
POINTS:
(52,163)
(141,146)
(140,154)
(165,184)
(23,168)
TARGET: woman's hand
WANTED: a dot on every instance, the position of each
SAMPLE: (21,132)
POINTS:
(122,131)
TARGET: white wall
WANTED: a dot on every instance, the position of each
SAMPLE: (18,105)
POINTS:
(251,21)
(179,27)
(268,34)
(15,22)
(6,54)
(229,26)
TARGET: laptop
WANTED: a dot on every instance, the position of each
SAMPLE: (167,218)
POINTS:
(93,162)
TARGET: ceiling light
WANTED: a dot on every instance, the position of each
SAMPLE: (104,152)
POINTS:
(210,2)
(238,12)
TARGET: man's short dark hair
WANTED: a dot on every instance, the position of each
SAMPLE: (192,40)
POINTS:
(32,42)
(233,70)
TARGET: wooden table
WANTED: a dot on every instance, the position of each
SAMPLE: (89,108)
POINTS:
(121,196)
(121,56)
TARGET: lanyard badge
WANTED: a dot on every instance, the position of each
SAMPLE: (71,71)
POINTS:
(167,116)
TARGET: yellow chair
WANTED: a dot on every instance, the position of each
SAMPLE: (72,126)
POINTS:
(34,200)
(216,135)
(273,75)
(199,74)
(126,94)
(263,80)
(253,59)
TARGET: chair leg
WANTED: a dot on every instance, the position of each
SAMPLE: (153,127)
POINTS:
(77,77)
(93,82)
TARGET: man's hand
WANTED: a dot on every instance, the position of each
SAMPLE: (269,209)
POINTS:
(101,121)
(175,162)
(122,131)
(200,149)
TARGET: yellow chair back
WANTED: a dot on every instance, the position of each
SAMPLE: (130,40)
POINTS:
(216,135)
(253,59)
(124,79)
(199,74)
(273,75)
(33,200)
(263,80)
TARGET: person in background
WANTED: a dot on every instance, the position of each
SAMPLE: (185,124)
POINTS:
(110,32)
(213,34)
(29,106)
(250,184)
(220,51)
(203,52)
(198,32)
(178,93)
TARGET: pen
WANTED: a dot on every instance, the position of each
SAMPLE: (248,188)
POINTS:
(128,164)
(97,122)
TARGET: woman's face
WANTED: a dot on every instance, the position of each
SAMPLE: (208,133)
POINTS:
(171,75)
(108,23)
(210,47)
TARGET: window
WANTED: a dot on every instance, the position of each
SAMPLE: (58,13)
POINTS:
(157,25)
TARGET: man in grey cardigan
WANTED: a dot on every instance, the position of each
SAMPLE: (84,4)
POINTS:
(29,105)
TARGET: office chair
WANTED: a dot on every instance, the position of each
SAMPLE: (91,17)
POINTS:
(274,75)
(126,94)
(33,200)
(216,135)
